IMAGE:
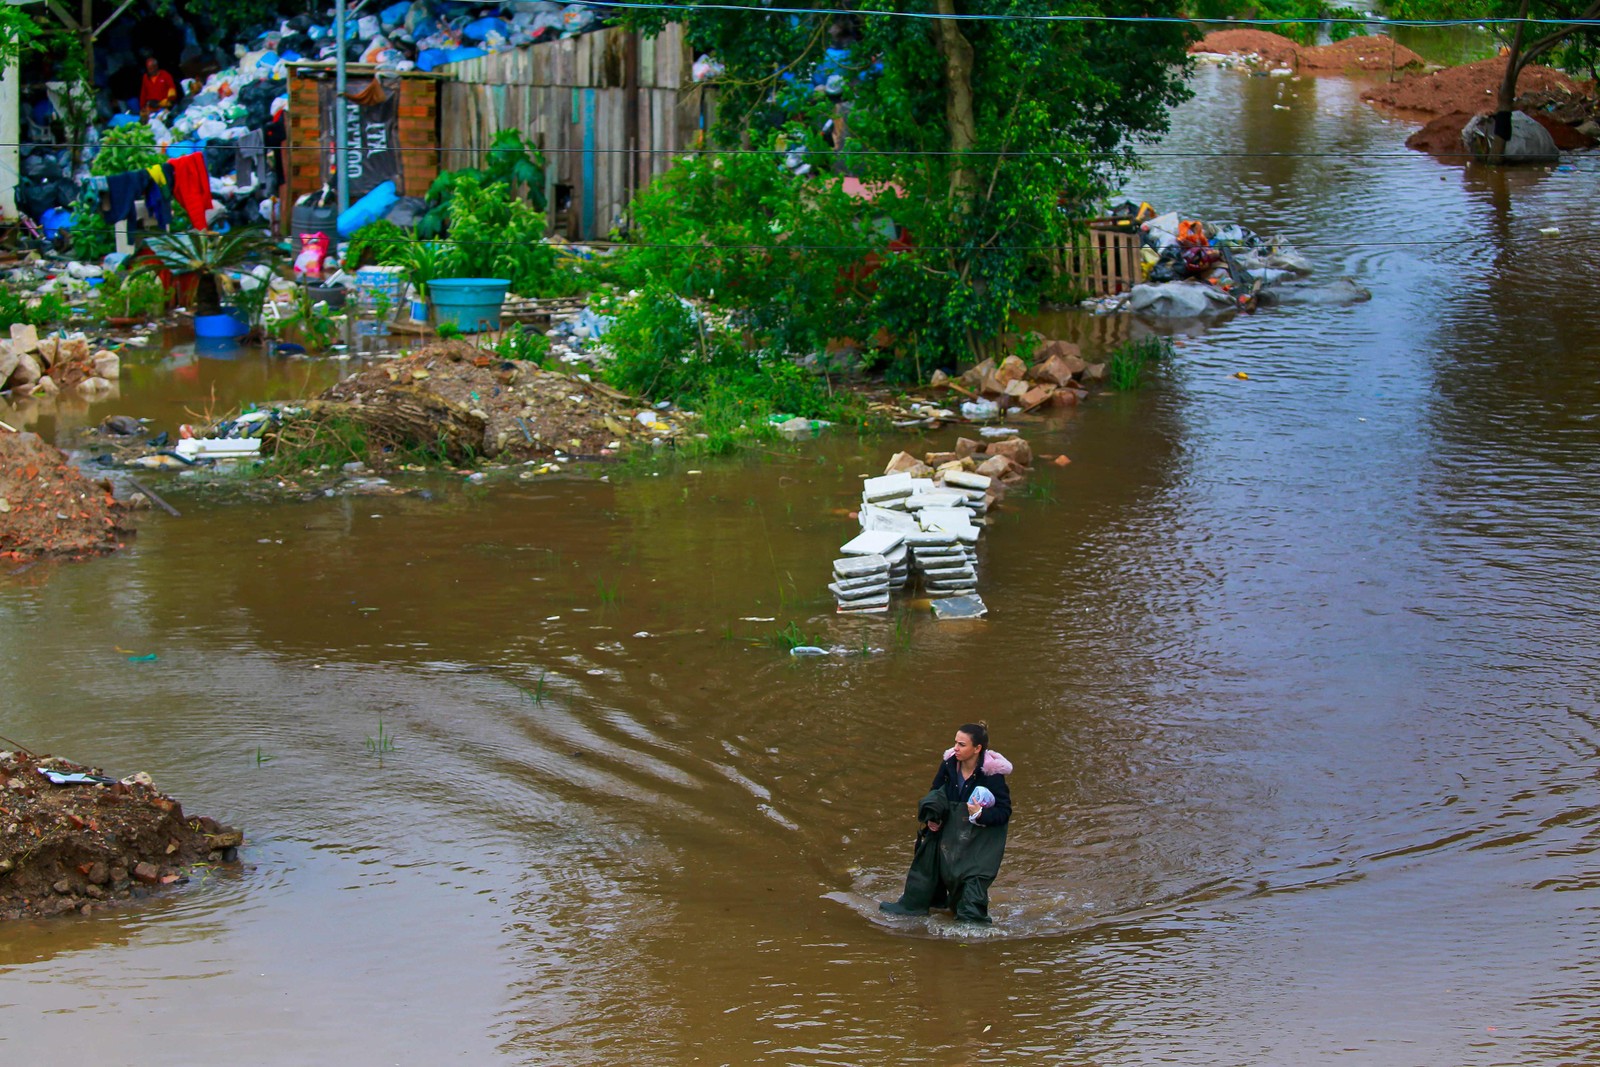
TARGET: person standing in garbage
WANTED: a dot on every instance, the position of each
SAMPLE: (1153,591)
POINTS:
(961,836)
(157,90)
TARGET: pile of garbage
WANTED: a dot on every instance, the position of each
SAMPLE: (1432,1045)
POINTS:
(44,366)
(920,525)
(460,403)
(1194,268)
(73,839)
(236,111)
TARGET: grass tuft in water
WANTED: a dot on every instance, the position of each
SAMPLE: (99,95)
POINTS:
(383,743)
(607,592)
(1041,489)
(902,630)
(536,693)
(1129,361)
(790,637)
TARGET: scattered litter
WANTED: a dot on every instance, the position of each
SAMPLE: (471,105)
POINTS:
(75,777)
(807,650)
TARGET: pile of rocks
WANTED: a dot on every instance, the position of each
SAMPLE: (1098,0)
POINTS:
(31,365)
(921,521)
(1013,387)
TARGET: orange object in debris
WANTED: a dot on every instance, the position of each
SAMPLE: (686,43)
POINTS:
(1192,234)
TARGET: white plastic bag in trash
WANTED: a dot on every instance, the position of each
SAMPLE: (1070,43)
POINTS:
(1178,300)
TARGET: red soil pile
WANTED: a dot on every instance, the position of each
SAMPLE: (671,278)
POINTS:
(1442,136)
(1471,88)
(1369,53)
(48,509)
(1567,139)
(1275,49)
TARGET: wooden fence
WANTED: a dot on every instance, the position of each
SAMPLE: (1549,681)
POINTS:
(1105,260)
(609,109)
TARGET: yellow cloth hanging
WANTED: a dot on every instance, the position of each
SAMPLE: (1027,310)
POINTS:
(158,175)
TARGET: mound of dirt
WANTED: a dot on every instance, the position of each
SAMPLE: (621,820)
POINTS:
(48,509)
(453,399)
(79,846)
(1378,52)
(1442,136)
(1471,88)
(1274,49)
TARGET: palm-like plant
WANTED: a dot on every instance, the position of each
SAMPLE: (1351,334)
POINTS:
(208,255)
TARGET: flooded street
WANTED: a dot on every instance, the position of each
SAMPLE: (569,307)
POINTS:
(1297,671)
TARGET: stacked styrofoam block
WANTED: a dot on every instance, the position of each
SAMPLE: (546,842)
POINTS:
(886,543)
(861,583)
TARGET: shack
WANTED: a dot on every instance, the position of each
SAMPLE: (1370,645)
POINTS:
(394,135)
(610,109)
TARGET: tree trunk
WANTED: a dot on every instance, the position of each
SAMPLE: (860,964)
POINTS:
(963,129)
(1507,95)
(207,296)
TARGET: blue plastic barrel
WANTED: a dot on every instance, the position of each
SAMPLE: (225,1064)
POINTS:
(224,325)
(369,208)
(472,305)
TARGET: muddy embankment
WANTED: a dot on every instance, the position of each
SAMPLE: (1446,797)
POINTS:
(75,840)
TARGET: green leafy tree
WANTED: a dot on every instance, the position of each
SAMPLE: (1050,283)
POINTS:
(19,30)
(1541,32)
(1303,15)
(985,142)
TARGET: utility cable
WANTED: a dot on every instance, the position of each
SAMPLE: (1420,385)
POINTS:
(642,5)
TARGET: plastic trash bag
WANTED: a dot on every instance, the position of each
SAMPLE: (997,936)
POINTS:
(1178,300)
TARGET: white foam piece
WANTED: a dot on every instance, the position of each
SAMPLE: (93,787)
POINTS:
(966,480)
(874,543)
(949,520)
(876,518)
(888,484)
(938,498)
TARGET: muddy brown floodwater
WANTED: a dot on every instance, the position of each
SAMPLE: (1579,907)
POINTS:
(1298,673)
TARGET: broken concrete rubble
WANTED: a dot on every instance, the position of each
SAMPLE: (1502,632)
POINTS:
(30,364)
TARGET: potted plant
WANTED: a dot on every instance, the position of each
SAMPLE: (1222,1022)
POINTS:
(423,262)
(208,257)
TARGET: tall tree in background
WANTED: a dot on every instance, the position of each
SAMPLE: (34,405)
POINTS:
(988,140)
(1538,33)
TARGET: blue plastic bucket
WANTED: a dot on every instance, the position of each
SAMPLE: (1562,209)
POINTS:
(472,305)
(223,325)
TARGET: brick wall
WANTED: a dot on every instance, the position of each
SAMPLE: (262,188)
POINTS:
(419,136)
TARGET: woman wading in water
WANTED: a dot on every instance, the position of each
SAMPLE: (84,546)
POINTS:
(962,833)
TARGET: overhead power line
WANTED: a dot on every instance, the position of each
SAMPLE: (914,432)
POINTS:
(1373,20)
(845,154)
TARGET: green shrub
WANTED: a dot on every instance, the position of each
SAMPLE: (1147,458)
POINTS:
(132,296)
(663,348)
(376,243)
(742,232)
(41,311)
(524,345)
(130,147)
(497,235)
(92,236)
